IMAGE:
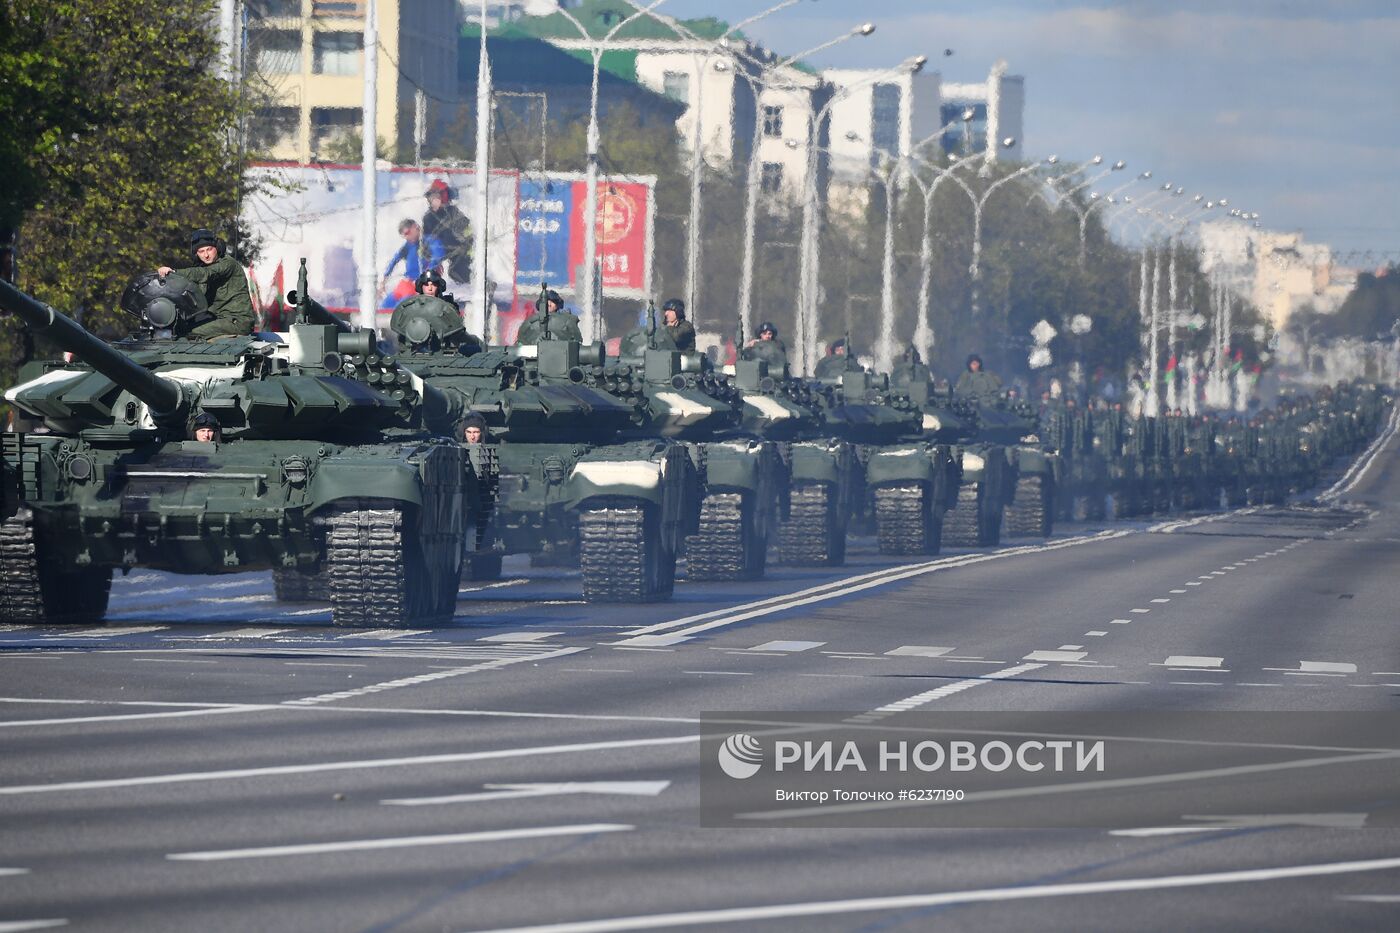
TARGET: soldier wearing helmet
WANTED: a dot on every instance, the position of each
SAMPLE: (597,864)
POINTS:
(474,429)
(976,380)
(767,346)
(206,429)
(681,331)
(549,319)
(225,286)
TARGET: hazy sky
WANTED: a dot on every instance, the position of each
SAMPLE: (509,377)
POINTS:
(1287,107)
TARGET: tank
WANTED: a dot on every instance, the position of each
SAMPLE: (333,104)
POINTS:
(742,477)
(329,461)
(823,473)
(571,487)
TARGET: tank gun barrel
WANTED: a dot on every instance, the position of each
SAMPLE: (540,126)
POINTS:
(160,395)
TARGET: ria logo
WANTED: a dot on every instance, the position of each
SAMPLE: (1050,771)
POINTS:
(740,756)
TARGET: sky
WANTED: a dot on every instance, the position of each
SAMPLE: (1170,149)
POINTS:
(1290,108)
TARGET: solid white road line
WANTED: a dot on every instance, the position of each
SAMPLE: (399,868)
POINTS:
(402,842)
(420,679)
(512,791)
(175,714)
(13,871)
(949,898)
(842,588)
(19,926)
(1363,463)
(923,699)
(320,767)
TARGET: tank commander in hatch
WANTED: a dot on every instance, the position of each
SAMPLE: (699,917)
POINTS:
(977,381)
(206,428)
(473,429)
(681,331)
(562,325)
(225,287)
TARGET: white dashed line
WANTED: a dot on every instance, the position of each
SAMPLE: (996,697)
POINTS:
(919,651)
(1095,634)
(787,646)
(1189,660)
(518,637)
(1053,656)
(1140,611)
(1120,621)
(1162,599)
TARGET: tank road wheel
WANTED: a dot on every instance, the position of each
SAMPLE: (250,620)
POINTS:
(1031,515)
(36,591)
(813,535)
(623,555)
(727,546)
(906,520)
(296,586)
(976,522)
(384,570)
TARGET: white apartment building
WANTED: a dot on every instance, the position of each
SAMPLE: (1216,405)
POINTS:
(1277,272)
(1001,96)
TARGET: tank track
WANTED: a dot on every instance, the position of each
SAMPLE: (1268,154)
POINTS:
(723,549)
(807,538)
(1029,516)
(963,526)
(902,519)
(32,593)
(614,556)
(294,586)
(371,572)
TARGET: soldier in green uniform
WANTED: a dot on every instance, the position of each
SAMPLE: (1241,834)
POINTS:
(977,381)
(910,370)
(225,287)
(836,361)
(549,318)
(767,347)
(681,331)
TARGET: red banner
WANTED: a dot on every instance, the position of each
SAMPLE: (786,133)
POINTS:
(622,233)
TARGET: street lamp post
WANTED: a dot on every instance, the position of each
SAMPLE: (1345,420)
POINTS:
(806,336)
(756,86)
(589,324)
(697,165)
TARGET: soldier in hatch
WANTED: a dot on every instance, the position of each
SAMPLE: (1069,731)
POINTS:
(681,331)
(225,287)
(549,310)
(767,346)
(206,428)
(976,380)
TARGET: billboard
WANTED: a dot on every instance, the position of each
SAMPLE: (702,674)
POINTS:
(534,234)
(314,211)
(551,234)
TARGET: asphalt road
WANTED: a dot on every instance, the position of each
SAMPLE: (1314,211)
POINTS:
(212,760)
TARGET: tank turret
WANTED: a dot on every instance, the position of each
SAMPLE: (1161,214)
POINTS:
(162,395)
(325,466)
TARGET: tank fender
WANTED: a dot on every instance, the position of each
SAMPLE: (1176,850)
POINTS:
(907,464)
(350,478)
(816,463)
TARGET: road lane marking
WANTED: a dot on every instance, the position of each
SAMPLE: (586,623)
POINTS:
(1371,898)
(1161,599)
(244,633)
(919,651)
(518,637)
(1120,621)
(515,791)
(1095,634)
(20,926)
(787,646)
(923,699)
(1140,611)
(1071,648)
(1189,660)
(1053,656)
(127,717)
(1177,592)
(818,909)
(1363,463)
(113,632)
(387,634)
(401,842)
(321,767)
(691,625)
(420,679)
(5,872)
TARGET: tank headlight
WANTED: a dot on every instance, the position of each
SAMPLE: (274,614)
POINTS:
(295,471)
(973,462)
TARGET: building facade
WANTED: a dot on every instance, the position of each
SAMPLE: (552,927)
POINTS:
(1278,272)
(310,55)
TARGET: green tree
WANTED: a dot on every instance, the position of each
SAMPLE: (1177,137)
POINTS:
(125,140)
